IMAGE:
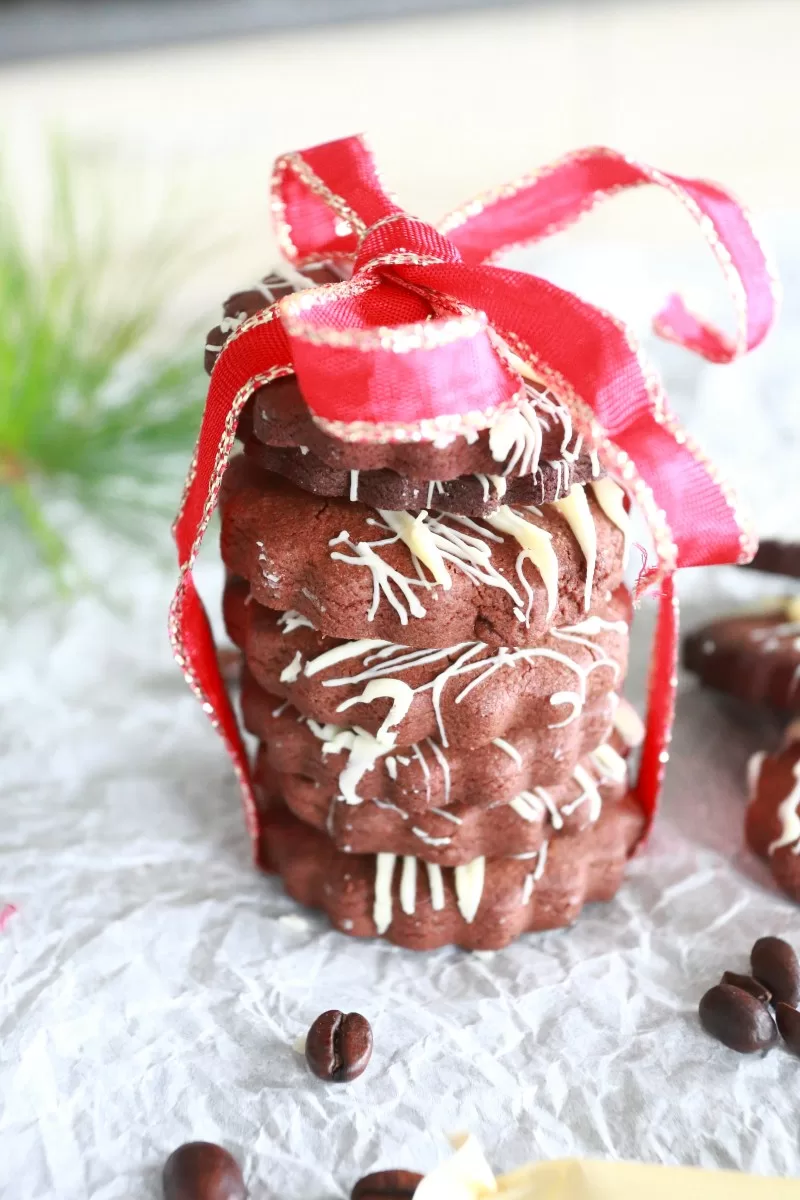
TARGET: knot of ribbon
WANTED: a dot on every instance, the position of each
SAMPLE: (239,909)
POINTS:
(426,338)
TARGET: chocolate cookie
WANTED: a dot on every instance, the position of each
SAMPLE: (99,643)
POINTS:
(463,695)
(772,824)
(537,432)
(469,495)
(482,905)
(459,833)
(425,776)
(754,656)
(433,580)
(777,558)
(264,294)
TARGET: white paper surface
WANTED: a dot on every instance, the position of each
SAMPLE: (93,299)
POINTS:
(152,984)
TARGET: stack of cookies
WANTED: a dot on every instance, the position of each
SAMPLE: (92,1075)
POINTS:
(435,635)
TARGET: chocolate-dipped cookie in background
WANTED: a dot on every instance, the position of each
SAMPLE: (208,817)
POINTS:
(772,823)
(755,656)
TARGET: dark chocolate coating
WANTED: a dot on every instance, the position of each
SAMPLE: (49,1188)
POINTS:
(467,495)
(753,656)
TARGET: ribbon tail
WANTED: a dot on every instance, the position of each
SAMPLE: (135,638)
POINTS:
(259,342)
(662,688)
(324,198)
(554,197)
(196,654)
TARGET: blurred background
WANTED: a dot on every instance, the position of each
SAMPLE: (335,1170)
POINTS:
(166,115)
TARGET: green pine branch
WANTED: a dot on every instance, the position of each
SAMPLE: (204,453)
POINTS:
(93,410)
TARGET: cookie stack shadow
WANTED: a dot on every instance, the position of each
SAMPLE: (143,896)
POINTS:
(435,636)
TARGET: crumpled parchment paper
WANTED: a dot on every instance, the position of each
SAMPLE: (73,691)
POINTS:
(152,983)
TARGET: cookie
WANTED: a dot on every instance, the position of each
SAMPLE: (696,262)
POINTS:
(482,905)
(458,833)
(425,775)
(463,695)
(352,572)
(266,292)
(772,823)
(536,433)
(538,430)
(753,656)
(468,495)
(777,558)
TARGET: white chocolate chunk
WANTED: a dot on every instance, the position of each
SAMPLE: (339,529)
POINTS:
(408,885)
(469,879)
(611,498)
(537,542)
(382,910)
(292,672)
(415,534)
(574,508)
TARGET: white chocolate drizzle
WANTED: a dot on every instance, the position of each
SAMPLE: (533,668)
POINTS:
(611,764)
(575,510)
(291,620)
(382,908)
(628,724)
(789,816)
(441,541)
(408,885)
(754,767)
(420,541)
(401,696)
(354,485)
(292,672)
(508,749)
(611,498)
(383,662)
(384,578)
(533,878)
(468,884)
(436,885)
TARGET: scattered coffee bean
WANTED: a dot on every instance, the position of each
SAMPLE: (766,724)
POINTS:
(386,1185)
(339,1046)
(202,1171)
(774,963)
(788,1019)
(737,1019)
(748,984)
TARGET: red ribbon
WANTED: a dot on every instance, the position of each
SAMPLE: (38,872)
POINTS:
(416,343)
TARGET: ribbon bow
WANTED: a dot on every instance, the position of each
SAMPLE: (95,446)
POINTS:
(415,344)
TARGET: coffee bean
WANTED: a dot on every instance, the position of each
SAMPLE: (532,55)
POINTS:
(202,1171)
(788,1019)
(386,1185)
(737,1019)
(339,1046)
(748,984)
(774,963)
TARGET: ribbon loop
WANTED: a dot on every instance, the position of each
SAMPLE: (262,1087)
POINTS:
(402,239)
